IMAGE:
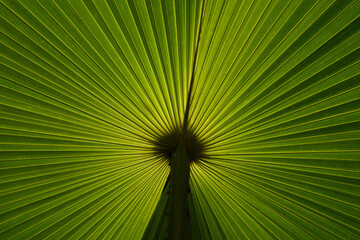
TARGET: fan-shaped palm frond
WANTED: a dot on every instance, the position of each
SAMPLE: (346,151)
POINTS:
(257,101)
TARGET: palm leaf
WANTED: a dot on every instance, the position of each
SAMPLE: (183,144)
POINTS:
(90,90)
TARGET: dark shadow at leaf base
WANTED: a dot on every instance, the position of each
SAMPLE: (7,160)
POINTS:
(166,144)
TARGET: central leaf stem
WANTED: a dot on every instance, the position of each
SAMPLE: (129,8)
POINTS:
(179,187)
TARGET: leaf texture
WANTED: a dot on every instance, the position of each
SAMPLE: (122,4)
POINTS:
(87,87)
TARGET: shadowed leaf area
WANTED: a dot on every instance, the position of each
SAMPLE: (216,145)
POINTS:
(166,144)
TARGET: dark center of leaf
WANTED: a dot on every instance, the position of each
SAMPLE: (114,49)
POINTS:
(166,144)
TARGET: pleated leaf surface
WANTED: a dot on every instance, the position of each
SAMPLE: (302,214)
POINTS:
(88,87)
